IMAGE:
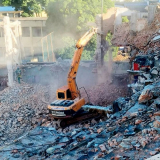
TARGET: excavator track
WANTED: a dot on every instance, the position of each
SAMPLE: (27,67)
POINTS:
(62,123)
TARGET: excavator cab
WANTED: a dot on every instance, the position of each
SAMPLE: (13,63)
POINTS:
(64,93)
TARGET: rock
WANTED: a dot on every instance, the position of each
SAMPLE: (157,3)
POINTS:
(65,139)
(99,130)
(111,128)
(156,123)
(102,147)
(93,121)
(118,157)
(17,155)
(138,121)
(52,149)
(90,144)
(152,153)
(125,146)
(157,113)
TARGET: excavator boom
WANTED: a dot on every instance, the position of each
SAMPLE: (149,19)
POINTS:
(82,42)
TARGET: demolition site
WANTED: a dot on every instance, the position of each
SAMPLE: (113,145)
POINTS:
(107,108)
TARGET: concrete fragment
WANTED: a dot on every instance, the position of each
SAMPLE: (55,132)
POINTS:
(102,147)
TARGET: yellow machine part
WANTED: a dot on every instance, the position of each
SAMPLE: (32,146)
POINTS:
(75,106)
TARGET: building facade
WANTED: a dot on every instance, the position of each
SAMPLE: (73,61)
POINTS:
(32,31)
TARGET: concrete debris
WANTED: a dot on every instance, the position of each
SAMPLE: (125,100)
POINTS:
(130,131)
(124,35)
(133,131)
(22,108)
(104,94)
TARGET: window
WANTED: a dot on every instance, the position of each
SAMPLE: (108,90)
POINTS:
(68,94)
(4,14)
(11,15)
(25,32)
(36,31)
(17,15)
(61,95)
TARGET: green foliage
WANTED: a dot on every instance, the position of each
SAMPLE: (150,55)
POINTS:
(67,51)
(125,19)
(72,16)
(114,49)
(29,7)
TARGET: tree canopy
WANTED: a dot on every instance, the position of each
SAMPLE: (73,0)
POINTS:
(72,16)
(67,19)
(29,7)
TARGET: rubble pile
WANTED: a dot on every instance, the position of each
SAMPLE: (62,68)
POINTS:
(121,34)
(131,133)
(21,109)
(104,94)
(124,35)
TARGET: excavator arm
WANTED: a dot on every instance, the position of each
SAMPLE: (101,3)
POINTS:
(68,101)
(82,42)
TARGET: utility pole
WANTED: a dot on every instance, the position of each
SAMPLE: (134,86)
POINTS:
(9,49)
(102,61)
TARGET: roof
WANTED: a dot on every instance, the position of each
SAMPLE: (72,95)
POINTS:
(7,8)
(138,6)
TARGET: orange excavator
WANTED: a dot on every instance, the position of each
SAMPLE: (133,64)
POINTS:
(69,101)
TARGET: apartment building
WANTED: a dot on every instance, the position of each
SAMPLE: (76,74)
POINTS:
(32,31)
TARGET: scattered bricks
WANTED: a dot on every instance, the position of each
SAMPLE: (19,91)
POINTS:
(111,128)
(157,149)
(156,138)
(118,157)
(86,125)
(157,114)
(138,121)
(109,151)
(134,114)
(100,155)
(156,123)
(111,144)
(99,130)
(125,146)
(14,151)
(96,149)
(93,121)
(152,153)
(143,142)
(115,142)
(123,119)
(102,147)
(19,119)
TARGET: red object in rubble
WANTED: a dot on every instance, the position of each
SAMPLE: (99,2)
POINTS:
(136,66)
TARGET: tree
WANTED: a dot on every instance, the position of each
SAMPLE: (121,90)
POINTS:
(125,19)
(29,7)
(70,18)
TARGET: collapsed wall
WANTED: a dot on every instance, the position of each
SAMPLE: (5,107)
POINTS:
(124,35)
